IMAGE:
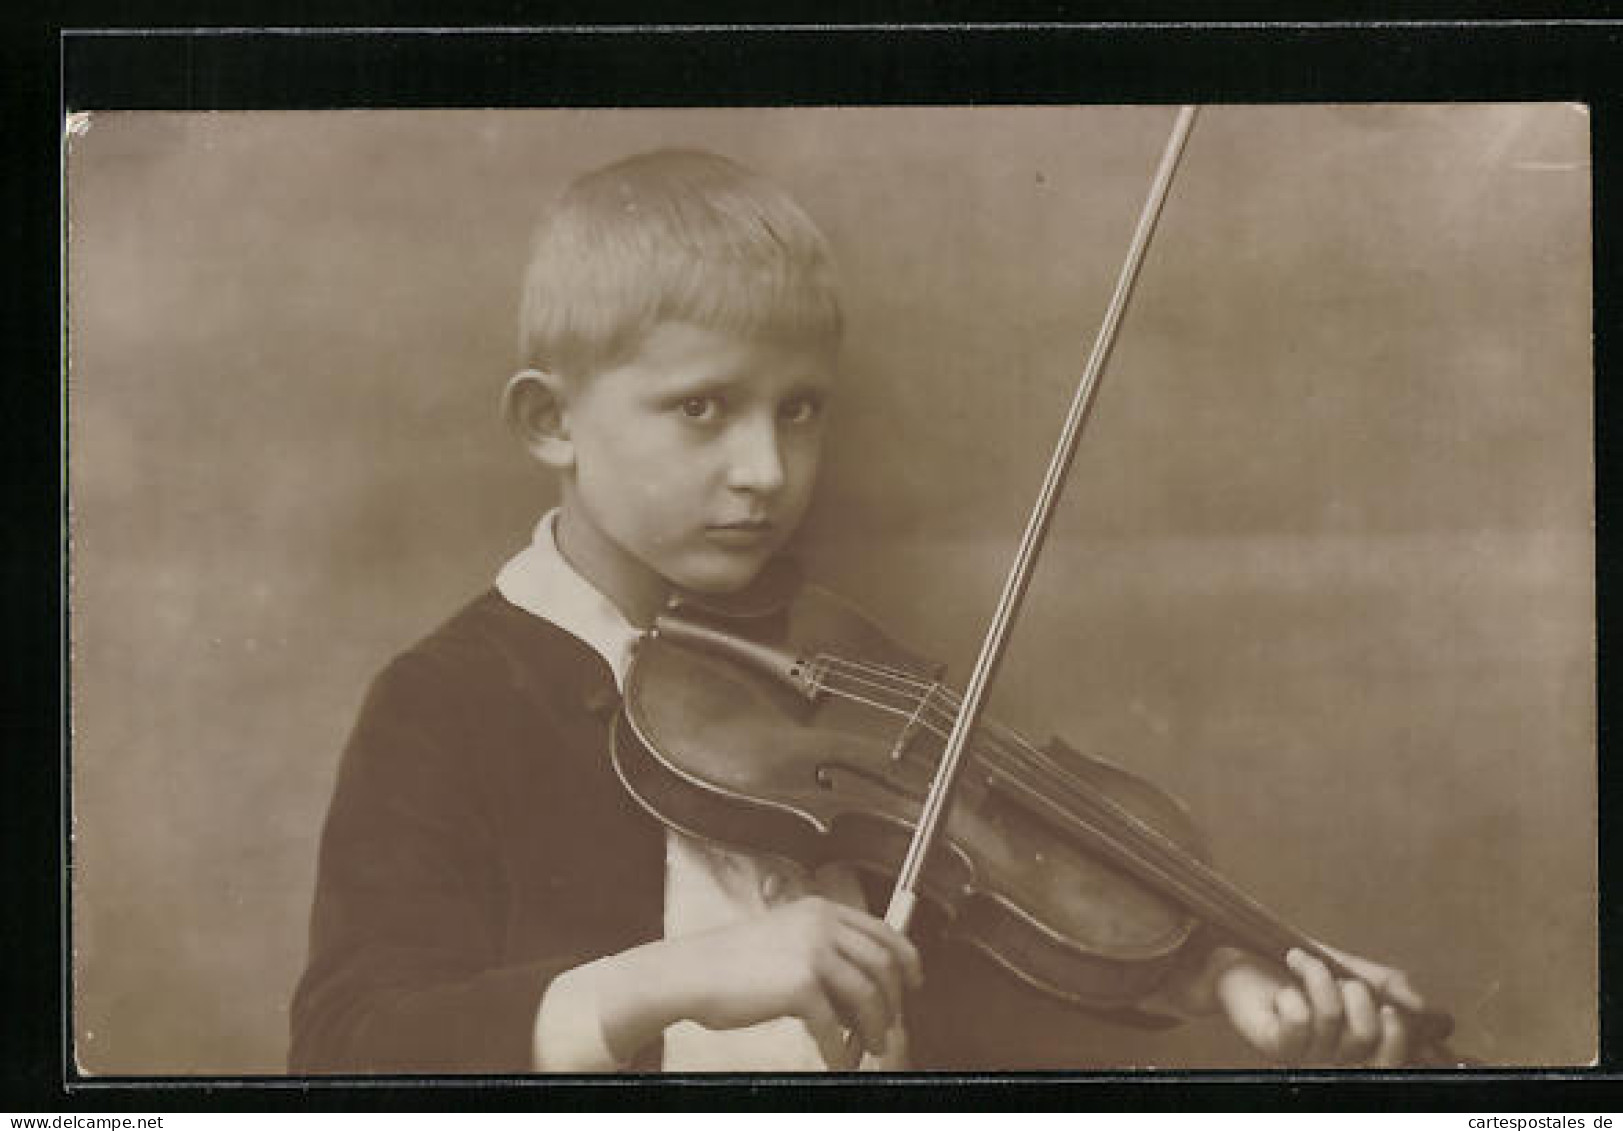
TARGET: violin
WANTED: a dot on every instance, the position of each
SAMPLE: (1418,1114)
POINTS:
(785,722)
(805,731)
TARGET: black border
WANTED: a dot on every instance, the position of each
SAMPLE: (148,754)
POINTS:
(208,56)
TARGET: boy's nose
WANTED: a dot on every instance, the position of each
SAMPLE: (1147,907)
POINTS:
(756,461)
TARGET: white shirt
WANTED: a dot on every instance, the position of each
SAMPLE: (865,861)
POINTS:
(706,885)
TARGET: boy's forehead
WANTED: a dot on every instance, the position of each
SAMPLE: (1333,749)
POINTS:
(680,349)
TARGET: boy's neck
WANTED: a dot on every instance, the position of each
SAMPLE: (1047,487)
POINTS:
(634,589)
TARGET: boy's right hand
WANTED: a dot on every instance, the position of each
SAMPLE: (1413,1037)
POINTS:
(832,966)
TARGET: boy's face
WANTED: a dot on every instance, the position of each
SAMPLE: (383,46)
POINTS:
(693,461)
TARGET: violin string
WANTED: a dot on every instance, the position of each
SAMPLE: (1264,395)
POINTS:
(912,693)
(1181,889)
(1230,902)
(1149,847)
(1153,850)
(874,703)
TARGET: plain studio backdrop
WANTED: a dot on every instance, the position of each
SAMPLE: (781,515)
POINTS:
(1324,567)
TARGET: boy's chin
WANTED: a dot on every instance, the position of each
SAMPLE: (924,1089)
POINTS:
(711,584)
(720,579)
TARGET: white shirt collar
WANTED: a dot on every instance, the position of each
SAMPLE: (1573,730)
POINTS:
(539,581)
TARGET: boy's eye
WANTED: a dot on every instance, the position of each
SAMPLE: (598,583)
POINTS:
(801,410)
(700,408)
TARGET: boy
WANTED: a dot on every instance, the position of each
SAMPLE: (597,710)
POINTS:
(489,898)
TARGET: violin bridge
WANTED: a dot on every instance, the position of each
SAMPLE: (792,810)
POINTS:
(899,748)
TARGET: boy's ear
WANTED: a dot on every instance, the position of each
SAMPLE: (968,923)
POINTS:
(533,405)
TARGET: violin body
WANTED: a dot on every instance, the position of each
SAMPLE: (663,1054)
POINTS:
(809,734)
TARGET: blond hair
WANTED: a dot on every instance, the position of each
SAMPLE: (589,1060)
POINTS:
(672,235)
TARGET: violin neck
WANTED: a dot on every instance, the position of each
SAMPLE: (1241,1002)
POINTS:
(1171,869)
(1043,780)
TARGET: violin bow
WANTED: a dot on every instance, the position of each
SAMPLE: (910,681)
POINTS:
(937,803)
(1431,1027)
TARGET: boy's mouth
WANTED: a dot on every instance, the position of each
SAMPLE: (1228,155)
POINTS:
(739,535)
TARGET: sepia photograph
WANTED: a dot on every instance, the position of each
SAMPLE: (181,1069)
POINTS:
(904,589)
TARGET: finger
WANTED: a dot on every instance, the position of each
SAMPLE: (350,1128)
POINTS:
(1295,1031)
(1362,1034)
(1324,998)
(1389,983)
(878,963)
(856,998)
(825,1028)
(1393,1051)
(904,953)
(1396,987)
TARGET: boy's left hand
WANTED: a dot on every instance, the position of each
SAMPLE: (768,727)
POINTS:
(1305,1015)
